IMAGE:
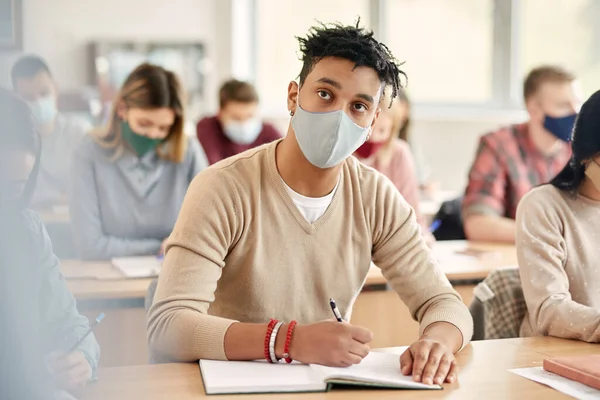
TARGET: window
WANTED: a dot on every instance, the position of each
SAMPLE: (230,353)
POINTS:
(562,32)
(447,47)
(277,25)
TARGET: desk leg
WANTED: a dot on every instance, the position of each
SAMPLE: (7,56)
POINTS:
(388,318)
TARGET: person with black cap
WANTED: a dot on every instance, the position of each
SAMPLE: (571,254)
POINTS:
(38,314)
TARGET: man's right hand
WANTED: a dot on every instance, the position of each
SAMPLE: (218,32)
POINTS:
(330,343)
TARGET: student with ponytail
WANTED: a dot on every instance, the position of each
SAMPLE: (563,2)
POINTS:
(557,242)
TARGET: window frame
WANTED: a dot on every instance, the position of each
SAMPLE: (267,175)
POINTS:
(506,98)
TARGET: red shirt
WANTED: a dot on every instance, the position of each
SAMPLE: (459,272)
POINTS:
(217,145)
(506,167)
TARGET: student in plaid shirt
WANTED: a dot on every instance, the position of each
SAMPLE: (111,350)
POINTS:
(514,159)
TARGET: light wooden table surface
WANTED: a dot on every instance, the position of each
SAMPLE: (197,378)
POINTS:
(100,280)
(464,261)
(484,375)
(99,287)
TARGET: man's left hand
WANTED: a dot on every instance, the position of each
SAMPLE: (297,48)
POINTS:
(430,362)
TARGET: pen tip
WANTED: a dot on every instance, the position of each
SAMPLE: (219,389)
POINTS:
(100,317)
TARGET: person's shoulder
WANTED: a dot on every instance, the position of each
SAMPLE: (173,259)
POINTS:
(87,144)
(32,223)
(76,125)
(545,199)
(206,122)
(244,167)
(89,148)
(400,148)
(501,136)
(270,131)
(369,179)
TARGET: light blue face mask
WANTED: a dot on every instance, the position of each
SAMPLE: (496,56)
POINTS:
(44,109)
(326,139)
(243,132)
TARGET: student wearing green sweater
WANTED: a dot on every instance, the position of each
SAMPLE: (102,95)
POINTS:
(38,314)
(276,231)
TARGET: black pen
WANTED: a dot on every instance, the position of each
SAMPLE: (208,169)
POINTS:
(335,310)
(92,326)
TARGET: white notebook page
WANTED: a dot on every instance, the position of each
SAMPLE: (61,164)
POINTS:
(221,377)
(378,368)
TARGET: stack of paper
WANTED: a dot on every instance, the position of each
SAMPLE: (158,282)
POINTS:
(138,267)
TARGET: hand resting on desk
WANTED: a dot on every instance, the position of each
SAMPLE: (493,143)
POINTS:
(71,371)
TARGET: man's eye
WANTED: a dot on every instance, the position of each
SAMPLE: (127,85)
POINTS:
(360,107)
(324,95)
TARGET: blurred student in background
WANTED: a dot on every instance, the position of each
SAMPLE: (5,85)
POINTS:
(392,156)
(237,127)
(427,185)
(557,243)
(129,179)
(33,82)
(38,314)
(515,159)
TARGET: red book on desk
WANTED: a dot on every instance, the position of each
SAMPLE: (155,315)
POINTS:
(583,369)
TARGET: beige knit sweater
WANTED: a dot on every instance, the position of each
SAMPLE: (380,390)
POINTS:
(242,251)
(558,245)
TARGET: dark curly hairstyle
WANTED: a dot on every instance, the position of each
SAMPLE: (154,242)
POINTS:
(352,43)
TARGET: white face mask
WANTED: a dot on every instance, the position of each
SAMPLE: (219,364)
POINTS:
(44,110)
(326,139)
(243,132)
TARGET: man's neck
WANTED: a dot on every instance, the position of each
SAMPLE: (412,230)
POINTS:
(544,141)
(299,174)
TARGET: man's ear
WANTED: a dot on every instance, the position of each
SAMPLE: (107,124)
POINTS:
(292,98)
(534,109)
(377,112)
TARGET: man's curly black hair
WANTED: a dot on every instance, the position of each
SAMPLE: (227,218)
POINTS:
(352,43)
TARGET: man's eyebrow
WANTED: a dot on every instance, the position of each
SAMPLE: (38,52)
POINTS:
(366,97)
(331,82)
(337,85)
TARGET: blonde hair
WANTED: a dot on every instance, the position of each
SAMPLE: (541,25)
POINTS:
(393,107)
(148,87)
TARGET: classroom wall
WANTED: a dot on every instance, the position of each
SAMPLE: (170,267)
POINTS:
(59,30)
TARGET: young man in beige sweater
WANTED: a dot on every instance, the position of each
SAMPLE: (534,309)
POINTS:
(276,231)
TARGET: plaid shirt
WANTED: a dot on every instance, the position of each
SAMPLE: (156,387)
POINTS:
(504,306)
(506,167)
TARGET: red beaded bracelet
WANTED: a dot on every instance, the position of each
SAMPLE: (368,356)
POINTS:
(270,327)
(288,341)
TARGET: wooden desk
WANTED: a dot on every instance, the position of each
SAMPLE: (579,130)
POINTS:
(99,287)
(486,257)
(554,347)
(484,375)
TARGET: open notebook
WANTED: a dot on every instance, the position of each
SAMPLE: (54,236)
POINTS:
(138,267)
(380,370)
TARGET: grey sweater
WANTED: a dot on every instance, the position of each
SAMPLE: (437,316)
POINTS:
(128,206)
